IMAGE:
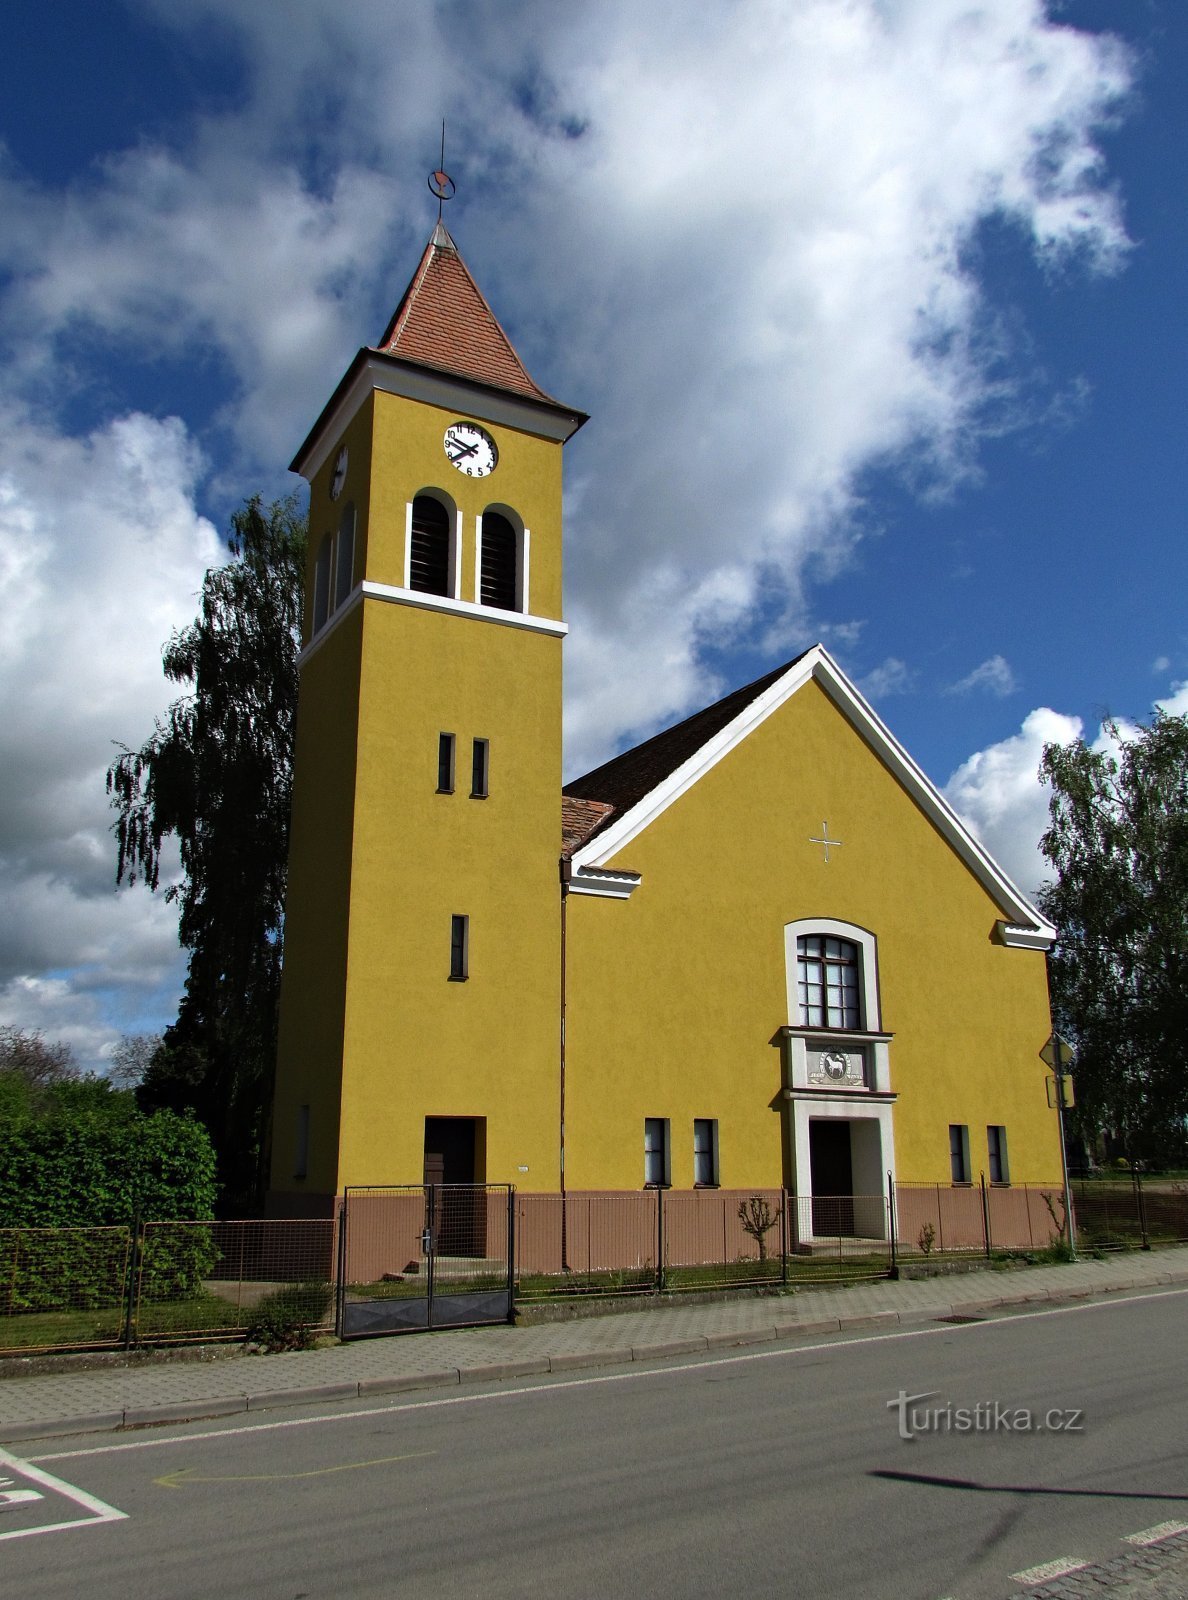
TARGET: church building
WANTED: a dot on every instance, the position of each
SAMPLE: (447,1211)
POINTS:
(759,950)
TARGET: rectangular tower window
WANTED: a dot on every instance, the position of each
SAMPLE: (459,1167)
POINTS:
(301,1152)
(445,763)
(996,1142)
(479,765)
(705,1152)
(656,1163)
(459,949)
(959,1152)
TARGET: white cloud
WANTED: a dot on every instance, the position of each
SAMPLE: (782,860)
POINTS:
(891,676)
(994,676)
(997,791)
(1160,665)
(104,555)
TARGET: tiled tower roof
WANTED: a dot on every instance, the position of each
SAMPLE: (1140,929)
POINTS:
(444,322)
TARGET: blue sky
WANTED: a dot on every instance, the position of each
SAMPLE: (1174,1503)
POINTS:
(877,305)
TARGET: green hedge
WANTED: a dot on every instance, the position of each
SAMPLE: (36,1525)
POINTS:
(93,1170)
(78,1173)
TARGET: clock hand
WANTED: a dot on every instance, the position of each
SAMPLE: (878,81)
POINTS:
(462,450)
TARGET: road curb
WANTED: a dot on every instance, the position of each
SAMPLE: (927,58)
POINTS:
(563,1361)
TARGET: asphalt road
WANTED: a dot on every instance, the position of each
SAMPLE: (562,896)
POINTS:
(773,1473)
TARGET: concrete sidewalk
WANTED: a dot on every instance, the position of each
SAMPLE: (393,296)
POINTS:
(118,1396)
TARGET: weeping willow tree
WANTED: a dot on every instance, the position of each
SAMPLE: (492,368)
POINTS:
(215,777)
(1118,842)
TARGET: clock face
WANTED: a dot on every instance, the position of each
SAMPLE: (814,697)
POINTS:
(471,449)
(338,477)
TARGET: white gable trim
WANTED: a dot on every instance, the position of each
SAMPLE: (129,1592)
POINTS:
(819,666)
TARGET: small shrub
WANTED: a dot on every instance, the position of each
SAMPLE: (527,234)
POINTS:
(288,1318)
(758,1219)
(926,1239)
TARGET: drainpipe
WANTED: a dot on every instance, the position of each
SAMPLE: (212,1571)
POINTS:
(566,873)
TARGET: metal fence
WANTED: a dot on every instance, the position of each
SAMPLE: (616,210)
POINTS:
(160,1282)
(1133,1210)
(174,1282)
(598,1243)
(421,1256)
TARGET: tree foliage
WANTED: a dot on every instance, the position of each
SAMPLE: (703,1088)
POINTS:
(216,777)
(1118,841)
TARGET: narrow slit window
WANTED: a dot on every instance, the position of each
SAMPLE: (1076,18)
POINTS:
(445,763)
(480,769)
(429,557)
(459,949)
(301,1153)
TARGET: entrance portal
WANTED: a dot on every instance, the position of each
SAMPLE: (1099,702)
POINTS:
(832,1176)
(455,1162)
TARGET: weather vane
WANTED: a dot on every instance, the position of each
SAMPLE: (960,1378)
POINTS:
(440,182)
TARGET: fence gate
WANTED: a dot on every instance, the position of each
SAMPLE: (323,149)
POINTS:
(416,1256)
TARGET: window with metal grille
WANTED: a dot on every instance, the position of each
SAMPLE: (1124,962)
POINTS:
(429,555)
(480,769)
(827,982)
(497,570)
(996,1142)
(656,1165)
(959,1152)
(705,1152)
(445,763)
(344,568)
(459,949)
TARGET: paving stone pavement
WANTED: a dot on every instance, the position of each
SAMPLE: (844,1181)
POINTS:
(112,1397)
(1155,1572)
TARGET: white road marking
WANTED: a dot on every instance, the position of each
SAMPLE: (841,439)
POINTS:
(99,1510)
(1060,1568)
(587,1383)
(1161,1530)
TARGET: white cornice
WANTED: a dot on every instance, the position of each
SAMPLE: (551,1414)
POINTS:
(1025,938)
(819,666)
(606,885)
(373,371)
(431,602)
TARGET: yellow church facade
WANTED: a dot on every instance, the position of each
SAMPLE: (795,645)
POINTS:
(757,951)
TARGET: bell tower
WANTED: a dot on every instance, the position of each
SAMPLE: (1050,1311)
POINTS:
(420,995)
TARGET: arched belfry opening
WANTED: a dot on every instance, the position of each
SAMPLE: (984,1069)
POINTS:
(429,566)
(499,568)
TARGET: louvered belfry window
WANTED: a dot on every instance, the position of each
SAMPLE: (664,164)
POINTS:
(429,559)
(497,577)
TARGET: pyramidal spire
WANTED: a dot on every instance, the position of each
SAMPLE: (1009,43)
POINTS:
(443,321)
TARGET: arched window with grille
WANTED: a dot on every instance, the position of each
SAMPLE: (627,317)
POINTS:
(430,564)
(827,982)
(499,563)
